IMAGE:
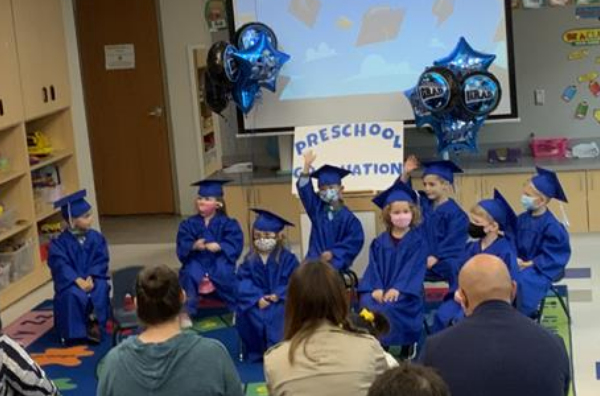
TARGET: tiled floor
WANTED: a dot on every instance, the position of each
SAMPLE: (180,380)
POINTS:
(141,241)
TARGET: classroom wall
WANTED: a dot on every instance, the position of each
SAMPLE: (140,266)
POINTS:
(541,59)
(82,143)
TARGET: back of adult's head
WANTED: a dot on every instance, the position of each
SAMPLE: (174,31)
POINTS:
(315,294)
(409,380)
(484,278)
(158,295)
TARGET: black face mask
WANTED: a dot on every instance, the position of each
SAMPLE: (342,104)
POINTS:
(476,231)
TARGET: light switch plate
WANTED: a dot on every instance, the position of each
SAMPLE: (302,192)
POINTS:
(539,97)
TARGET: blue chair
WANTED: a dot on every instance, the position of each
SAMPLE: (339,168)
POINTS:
(123,281)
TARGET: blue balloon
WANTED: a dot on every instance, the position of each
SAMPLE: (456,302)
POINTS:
(456,133)
(480,93)
(464,59)
(436,88)
(259,66)
(422,115)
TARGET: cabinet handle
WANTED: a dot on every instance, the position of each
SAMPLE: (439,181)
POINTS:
(45,94)
(1,107)
(52,93)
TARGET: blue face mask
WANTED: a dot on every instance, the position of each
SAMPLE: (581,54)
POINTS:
(528,203)
(330,195)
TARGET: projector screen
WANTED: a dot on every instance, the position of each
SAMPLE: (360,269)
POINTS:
(351,60)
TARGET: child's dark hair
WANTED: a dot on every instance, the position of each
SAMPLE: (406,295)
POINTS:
(409,379)
(373,323)
(158,295)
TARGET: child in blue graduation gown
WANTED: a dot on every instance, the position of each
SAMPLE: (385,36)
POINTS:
(209,245)
(543,245)
(492,228)
(393,281)
(78,260)
(336,235)
(262,283)
(445,223)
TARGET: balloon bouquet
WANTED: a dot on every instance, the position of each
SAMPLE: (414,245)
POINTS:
(239,72)
(455,97)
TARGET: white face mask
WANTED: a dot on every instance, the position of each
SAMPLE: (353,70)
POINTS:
(265,245)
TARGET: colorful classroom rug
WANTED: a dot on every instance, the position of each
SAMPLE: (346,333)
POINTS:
(75,368)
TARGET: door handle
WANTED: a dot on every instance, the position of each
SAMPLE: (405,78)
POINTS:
(45,94)
(156,112)
(52,93)
(1,107)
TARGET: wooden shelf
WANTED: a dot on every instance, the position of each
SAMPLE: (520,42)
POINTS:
(10,176)
(14,231)
(58,156)
(22,287)
(46,214)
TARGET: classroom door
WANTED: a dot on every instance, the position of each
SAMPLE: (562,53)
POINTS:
(123,83)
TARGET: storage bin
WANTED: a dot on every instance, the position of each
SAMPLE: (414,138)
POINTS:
(4,274)
(21,261)
(549,148)
(8,219)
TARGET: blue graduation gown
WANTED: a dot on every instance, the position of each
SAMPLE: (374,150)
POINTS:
(343,235)
(450,311)
(262,328)
(68,260)
(446,227)
(545,241)
(402,267)
(219,266)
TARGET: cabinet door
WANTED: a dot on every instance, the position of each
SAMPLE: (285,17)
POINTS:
(42,55)
(509,185)
(11,110)
(575,186)
(468,191)
(237,203)
(593,187)
(278,199)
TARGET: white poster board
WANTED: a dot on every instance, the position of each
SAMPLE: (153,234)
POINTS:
(373,152)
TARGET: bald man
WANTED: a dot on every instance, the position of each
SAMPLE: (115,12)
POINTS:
(496,351)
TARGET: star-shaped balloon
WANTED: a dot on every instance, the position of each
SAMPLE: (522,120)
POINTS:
(455,133)
(259,66)
(422,115)
(464,59)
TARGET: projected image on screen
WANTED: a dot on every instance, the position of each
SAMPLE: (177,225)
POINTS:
(352,59)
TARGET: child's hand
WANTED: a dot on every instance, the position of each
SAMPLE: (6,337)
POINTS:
(411,164)
(90,282)
(309,158)
(326,256)
(81,283)
(524,264)
(199,245)
(391,295)
(213,247)
(431,261)
(263,303)
(273,298)
(377,295)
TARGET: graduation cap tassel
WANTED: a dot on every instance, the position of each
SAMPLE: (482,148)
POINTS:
(563,212)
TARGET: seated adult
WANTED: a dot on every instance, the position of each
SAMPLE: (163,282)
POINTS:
(322,354)
(496,351)
(163,360)
(19,374)
(409,380)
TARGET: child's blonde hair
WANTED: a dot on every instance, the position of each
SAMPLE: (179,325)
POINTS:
(281,244)
(387,218)
(477,210)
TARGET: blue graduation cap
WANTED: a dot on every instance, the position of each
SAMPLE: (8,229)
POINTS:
(74,205)
(330,175)
(269,221)
(548,184)
(210,187)
(443,169)
(501,211)
(399,191)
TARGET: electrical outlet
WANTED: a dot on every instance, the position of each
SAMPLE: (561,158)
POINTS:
(539,97)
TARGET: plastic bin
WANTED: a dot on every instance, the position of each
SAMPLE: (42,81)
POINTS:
(549,148)
(4,274)
(21,261)
(8,219)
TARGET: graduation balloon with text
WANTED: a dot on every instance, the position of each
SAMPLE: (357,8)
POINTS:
(455,97)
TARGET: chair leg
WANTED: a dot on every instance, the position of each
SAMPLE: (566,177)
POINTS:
(541,311)
(562,303)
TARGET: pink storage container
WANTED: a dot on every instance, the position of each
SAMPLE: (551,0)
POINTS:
(550,147)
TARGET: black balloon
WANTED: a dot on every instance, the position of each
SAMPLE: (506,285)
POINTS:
(216,95)
(248,35)
(220,63)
